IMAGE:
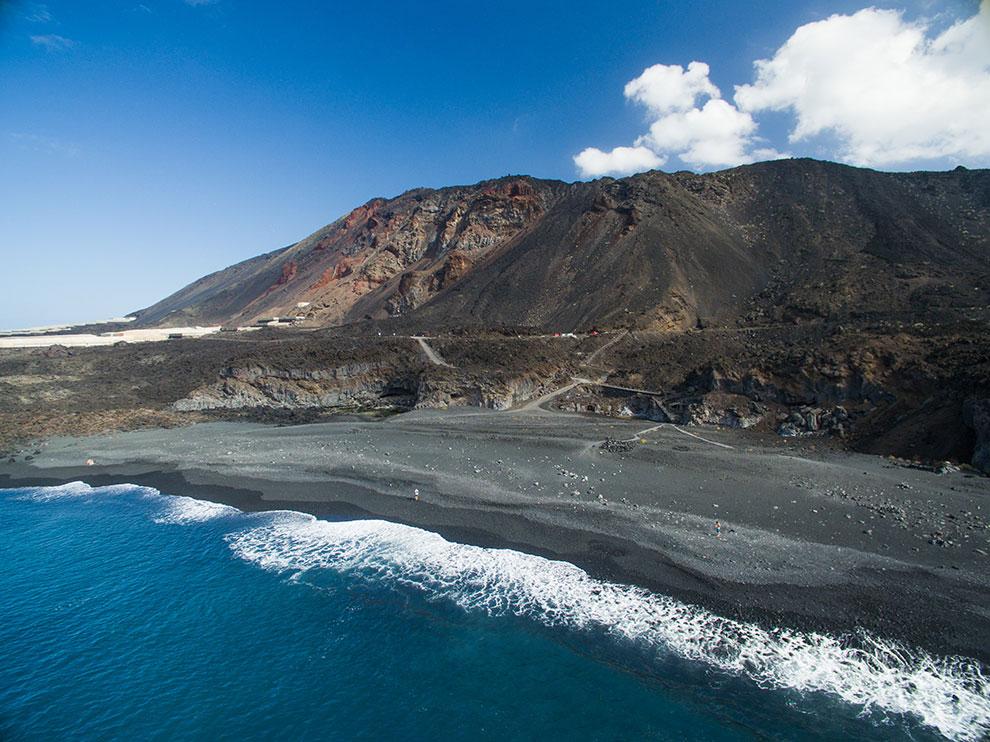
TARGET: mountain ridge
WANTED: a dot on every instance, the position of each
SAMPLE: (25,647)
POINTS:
(654,250)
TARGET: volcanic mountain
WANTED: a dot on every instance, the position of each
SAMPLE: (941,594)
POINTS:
(783,241)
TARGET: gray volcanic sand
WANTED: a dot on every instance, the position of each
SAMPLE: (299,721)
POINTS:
(830,541)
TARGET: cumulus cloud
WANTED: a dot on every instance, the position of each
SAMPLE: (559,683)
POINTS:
(669,87)
(715,134)
(592,162)
(712,133)
(888,90)
(53,42)
(870,88)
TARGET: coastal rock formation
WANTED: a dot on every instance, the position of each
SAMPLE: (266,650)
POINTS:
(355,386)
(365,386)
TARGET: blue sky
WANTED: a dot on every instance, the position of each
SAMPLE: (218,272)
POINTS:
(146,144)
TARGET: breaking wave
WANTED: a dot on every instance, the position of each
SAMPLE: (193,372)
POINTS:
(185,510)
(81,489)
(169,508)
(950,694)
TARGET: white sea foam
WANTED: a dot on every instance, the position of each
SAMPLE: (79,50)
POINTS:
(171,508)
(81,489)
(950,694)
(184,510)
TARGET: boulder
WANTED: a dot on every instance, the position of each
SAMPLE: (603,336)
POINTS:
(814,420)
(787,430)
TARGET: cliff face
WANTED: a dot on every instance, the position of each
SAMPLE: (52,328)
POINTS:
(356,385)
(784,241)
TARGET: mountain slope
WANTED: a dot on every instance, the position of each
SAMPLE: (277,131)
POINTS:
(779,241)
(401,251)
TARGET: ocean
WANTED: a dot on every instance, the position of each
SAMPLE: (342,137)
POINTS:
(128,614)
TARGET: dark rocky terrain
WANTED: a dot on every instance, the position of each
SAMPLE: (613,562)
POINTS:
(812,303)
(279,376)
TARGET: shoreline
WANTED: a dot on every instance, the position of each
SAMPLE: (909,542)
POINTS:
(814,569)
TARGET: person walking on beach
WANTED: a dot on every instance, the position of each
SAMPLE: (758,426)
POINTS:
(718,530)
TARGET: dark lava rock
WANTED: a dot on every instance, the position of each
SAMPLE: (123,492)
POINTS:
(976,414)
(611,445)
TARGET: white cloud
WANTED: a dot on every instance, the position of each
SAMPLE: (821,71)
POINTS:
(53,42)
(715,133)
(592,162)
(888,90)
(669,87)
(870,88)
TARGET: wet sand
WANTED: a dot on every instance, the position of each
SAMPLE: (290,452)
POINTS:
(823,541)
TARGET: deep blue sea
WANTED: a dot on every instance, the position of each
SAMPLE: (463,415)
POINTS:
(126,614)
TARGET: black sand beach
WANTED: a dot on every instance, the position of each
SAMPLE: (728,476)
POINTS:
(824,540)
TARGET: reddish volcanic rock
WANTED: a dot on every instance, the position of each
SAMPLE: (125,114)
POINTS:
(457,266)
(362,214)
(289,271)
(324,280)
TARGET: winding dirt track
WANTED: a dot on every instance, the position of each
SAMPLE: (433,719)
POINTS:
(590,359)
(430,353)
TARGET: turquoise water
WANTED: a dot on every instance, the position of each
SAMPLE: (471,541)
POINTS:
(127,614)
